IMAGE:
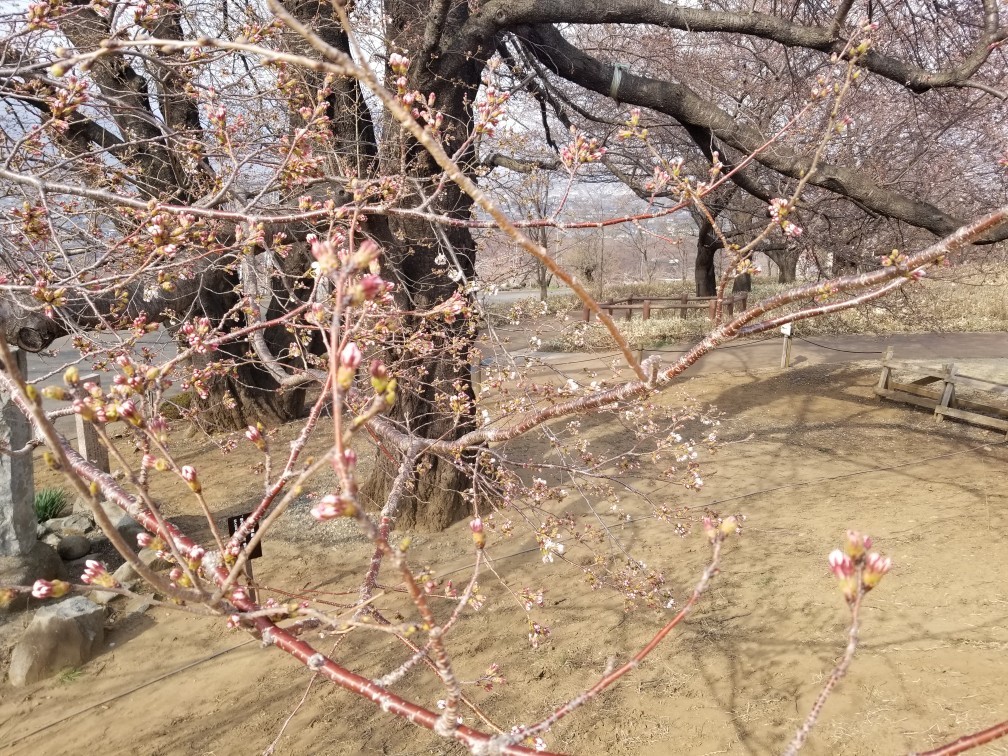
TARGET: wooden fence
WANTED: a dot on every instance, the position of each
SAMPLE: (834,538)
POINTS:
(647,305)
(987,409)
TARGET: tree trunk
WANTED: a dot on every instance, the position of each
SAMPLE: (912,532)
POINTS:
(707,248)
(786,261)
(243,397)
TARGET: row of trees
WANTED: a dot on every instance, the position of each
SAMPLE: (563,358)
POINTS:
(293,189)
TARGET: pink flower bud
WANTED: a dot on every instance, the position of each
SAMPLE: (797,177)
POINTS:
(842,567)
(144,540)
(43,589)
(351,356)
(476,525)
(333,506)
(189,476)
(857,544)
(875,567)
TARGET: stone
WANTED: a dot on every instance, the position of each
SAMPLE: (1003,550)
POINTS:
(51,539)
(17,486)
(60,635)
(128,528)
(41,562)
(126,574)
(106,597)
(151,559)
(75,524)
(41,531)
(74,547)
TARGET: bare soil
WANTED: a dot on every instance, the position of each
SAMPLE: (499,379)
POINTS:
(808,453)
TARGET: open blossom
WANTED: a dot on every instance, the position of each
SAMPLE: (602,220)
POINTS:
(550,548)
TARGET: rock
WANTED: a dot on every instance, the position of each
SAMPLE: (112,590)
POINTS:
(74,547)
(126,574)
(135,607)
(128,527)
(106,597)
(17,489)
(41,562)
(41,531)
(75,524)
(51,539)
(152,560)
(60,635)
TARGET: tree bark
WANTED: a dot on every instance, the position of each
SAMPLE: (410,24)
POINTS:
(704,273)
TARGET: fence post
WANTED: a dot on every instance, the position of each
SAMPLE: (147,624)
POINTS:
(87,437)
(685,300)
(646,312)
(586,314)
(17,485)
(712,309)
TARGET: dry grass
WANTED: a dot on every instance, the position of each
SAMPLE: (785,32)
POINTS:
(961,299)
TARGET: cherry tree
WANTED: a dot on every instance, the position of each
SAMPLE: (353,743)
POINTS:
(292,190)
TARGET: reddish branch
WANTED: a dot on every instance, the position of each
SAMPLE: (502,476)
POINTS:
(967,742)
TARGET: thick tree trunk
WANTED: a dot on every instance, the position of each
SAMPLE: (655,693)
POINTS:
(245,396)
(707,248)
(787,264)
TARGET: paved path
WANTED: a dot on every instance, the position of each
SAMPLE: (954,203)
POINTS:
(743,356)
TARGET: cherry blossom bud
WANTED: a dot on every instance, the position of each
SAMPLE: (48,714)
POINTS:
(349,458)
(366,253)
(149,460)
(43,589)
(72,376)
(144,540)
(255,435)
(351,355)
(128,412)
(56,392)
(379,376)
(333,506)
(95,573)
(875,567)
(479,537)
(189,476)
(857,544)
(842,567)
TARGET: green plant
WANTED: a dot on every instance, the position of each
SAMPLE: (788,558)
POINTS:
(70,674)
(49,503)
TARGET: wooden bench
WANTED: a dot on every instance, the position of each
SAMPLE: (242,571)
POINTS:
(936,389)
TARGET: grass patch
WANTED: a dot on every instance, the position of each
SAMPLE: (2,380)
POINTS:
(50,503)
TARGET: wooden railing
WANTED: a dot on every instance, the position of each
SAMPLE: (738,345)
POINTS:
(647,305)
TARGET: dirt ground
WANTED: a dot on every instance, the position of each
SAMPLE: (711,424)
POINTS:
(806,454)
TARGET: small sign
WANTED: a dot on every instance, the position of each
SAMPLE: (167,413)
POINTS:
(786,329)
(236,522)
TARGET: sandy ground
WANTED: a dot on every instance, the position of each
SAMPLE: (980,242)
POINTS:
(806,453)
